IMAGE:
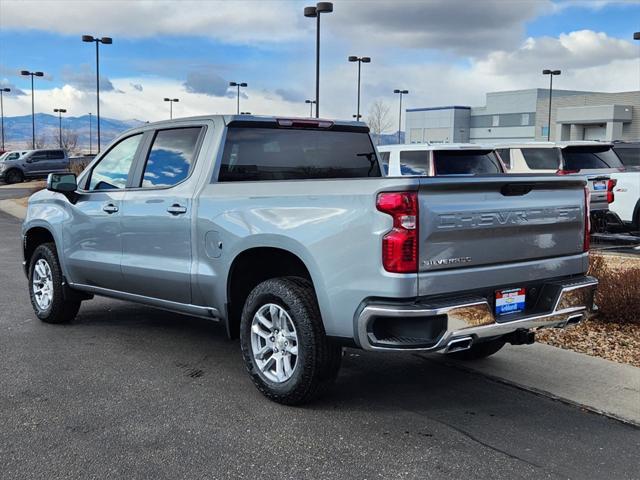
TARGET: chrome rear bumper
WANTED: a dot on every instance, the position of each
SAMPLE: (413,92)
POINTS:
(472,318)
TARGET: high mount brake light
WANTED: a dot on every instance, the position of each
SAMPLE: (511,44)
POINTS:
(400,245)
(567,172)
(302,123)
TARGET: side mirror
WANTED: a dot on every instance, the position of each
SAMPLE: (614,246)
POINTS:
(62,182)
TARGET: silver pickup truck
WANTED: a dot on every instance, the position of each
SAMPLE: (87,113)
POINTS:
(286,232)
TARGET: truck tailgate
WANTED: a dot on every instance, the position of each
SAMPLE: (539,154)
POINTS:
(484,221)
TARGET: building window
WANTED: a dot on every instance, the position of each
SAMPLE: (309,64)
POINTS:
(524,119)
(544,131)
(495,120)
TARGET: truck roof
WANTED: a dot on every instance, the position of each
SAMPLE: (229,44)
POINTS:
(434,147)
(562,144)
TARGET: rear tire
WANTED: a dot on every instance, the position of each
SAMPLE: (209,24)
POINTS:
(46,287)
(479,350)
(280,317)
(14,176)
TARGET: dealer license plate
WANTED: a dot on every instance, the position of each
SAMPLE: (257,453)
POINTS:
(600,185)
(510,301)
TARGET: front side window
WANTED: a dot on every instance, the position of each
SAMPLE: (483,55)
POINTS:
(257,153)
(414,162)
(542,158)
(113,169)
(590,157)
(38,156)
(465,162)
(171,156)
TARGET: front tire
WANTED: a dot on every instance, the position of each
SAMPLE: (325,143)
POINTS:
(14,176)
(283,342)
(46,287)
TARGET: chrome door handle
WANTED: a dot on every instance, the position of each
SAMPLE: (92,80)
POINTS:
(110,208)
(176,209)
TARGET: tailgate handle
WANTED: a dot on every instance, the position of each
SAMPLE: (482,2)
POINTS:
(514,189)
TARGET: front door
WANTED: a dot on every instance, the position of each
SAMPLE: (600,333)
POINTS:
(156,219)
(93,234)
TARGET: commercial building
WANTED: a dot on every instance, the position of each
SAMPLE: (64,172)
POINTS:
(522,116)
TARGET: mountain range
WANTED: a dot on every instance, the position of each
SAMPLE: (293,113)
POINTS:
(17,130)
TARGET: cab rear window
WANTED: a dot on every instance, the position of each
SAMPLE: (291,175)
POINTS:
(254,154)
(466,162)
(542,158)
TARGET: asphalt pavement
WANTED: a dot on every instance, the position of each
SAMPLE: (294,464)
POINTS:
(127,391)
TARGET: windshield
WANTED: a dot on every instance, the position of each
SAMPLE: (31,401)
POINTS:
(541,158)
(466,162)
(590,157)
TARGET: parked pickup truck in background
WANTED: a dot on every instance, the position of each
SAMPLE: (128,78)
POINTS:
(287,233)
(33,164)
(439,159)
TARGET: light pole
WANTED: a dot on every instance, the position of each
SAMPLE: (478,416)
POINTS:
(33,110)
(360,61)
(60,111)
(551,73)
(314,12)
(98,41)
(401,92)
(311,104)
(238,85)
(90,135)
(171,101)
(2,90)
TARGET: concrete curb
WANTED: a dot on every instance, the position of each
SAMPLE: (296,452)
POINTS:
(13,208)
(595,384)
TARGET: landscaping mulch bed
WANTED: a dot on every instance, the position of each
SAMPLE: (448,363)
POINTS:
(612,341)
(613,333)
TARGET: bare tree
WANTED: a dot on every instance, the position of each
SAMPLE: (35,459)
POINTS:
(69,141)
(41,142)
(378,119)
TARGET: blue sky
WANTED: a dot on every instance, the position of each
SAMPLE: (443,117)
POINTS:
(191,50)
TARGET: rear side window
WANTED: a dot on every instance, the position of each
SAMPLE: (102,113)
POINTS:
(542,158)
(414,162)
(590,157)
(171,157)
(112,170)
(384,159)
(630,156)
(505,156)
(55,154)
(252,154)
(465,162)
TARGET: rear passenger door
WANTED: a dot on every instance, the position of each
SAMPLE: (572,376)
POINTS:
(57,161)
(156,216)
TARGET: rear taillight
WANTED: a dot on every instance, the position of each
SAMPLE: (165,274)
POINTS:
(611,183)
(587,220)
(400,245)
(567,172)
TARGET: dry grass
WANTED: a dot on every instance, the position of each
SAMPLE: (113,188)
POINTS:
(78,167)
(618,294)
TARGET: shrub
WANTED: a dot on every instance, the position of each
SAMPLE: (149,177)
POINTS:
(78,167)
(618,294)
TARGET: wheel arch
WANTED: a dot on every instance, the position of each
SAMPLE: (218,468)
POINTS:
(33,236)
(243,277)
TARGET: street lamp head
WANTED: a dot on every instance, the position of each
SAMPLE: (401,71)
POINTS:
(546,72)
(106,40)
(243,84)
(87,38)
(39,74)
(636,36)
(324,7)
(556,72)
(396,91)
(233,84)
(353,58)
(175,100)
(167,99)
(405,92)
(6,89)
(365,59)
(25,72)
(310,12)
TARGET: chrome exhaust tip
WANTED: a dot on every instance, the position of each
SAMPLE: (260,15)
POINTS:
(458,345)
(574,320)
